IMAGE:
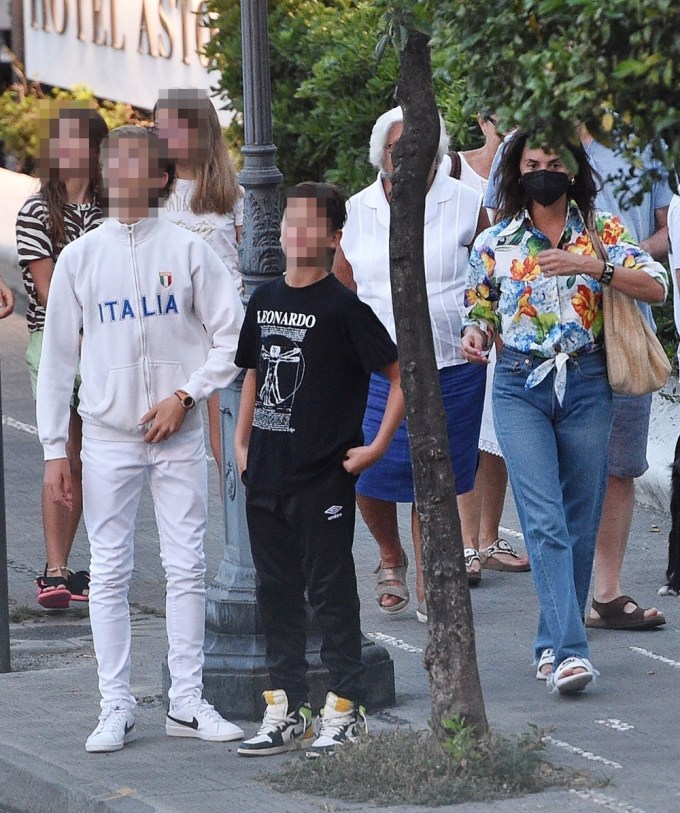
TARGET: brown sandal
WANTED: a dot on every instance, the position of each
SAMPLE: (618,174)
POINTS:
(399,590)
(613,616)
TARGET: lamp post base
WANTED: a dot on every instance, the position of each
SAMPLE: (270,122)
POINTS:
(235,673)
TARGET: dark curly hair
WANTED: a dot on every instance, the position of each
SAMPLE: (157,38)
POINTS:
(510,194)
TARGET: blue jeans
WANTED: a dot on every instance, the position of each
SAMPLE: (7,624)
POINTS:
(557,463)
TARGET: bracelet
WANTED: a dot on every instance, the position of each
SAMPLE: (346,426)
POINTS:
(607,274)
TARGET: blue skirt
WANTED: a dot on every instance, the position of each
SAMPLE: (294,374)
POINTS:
(391,478)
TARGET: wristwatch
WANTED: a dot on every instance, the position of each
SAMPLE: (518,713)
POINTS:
(185,399)
(607,273)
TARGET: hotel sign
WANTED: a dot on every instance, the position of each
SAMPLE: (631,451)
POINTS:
(124,50)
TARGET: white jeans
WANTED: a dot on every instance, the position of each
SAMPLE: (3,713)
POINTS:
(113,476)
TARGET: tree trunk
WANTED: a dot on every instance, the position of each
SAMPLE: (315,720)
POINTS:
(450,656)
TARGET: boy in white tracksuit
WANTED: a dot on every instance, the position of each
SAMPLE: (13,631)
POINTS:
(154,318)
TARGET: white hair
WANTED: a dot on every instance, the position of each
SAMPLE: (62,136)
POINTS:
(381,131)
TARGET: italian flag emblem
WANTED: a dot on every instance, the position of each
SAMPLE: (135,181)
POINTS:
(165,278)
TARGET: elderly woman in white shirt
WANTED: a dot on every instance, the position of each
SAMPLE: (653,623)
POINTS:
(453,217)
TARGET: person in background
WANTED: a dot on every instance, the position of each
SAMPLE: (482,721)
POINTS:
(6,299)
(674,258)
(453,216)
(495,552)
(535,280)
(204,196)
(66,207)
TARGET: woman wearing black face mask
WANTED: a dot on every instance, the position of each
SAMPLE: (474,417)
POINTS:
(535,286)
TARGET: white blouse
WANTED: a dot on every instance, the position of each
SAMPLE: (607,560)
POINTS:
(219,231)
(451,214)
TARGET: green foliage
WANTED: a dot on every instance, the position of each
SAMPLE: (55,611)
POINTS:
(328,84)
(19,106)
(406,767)
(546,64)
(461,743)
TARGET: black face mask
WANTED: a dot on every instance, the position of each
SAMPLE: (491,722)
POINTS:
(544,186)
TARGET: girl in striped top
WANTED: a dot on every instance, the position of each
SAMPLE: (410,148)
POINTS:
(66,207)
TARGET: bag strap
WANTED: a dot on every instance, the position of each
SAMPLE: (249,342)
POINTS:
(598,245)
(456,165)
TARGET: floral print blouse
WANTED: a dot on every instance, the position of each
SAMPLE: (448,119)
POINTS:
(506,292)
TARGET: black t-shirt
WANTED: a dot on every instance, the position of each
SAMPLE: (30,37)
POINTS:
(314,349)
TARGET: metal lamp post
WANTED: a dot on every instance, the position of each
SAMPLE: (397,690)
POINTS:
(235,673)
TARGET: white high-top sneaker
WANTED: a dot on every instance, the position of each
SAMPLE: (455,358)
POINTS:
(281,729)
(341,722)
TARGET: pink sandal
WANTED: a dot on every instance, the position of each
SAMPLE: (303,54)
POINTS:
(53,592)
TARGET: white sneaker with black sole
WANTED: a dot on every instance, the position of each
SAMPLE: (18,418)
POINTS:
(196,718)
(281,730)
(341,722)
(114,724)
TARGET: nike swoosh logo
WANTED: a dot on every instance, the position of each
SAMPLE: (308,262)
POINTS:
(128,728)
(193,724)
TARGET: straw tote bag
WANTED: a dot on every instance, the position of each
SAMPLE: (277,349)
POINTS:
(636,361)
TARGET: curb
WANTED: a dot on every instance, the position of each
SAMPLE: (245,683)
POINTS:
(44,787)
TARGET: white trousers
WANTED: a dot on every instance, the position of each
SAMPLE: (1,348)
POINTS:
(113,477)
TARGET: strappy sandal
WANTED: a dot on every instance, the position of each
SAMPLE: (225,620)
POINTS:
(399,589)
(53,592)
(547,659)
(78,582)
(474,577)
(492,561)
(614,617)
(571,684)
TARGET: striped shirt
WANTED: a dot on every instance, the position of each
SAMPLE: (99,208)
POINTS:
(34,243)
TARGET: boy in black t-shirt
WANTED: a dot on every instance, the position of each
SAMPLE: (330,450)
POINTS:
(309,346)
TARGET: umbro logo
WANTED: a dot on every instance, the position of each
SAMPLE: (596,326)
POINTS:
(188,723)
(333,512)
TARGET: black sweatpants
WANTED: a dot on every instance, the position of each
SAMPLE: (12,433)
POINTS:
(299,540)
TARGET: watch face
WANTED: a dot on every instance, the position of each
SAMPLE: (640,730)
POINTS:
(187,401)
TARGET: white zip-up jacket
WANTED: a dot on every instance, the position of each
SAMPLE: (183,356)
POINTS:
(158,312)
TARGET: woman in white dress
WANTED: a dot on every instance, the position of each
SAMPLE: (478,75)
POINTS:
(491,482)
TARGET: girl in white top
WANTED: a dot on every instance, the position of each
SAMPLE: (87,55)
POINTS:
(492,476)
(205,196)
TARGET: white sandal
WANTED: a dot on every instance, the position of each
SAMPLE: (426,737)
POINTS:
(577,682)
(547,659)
